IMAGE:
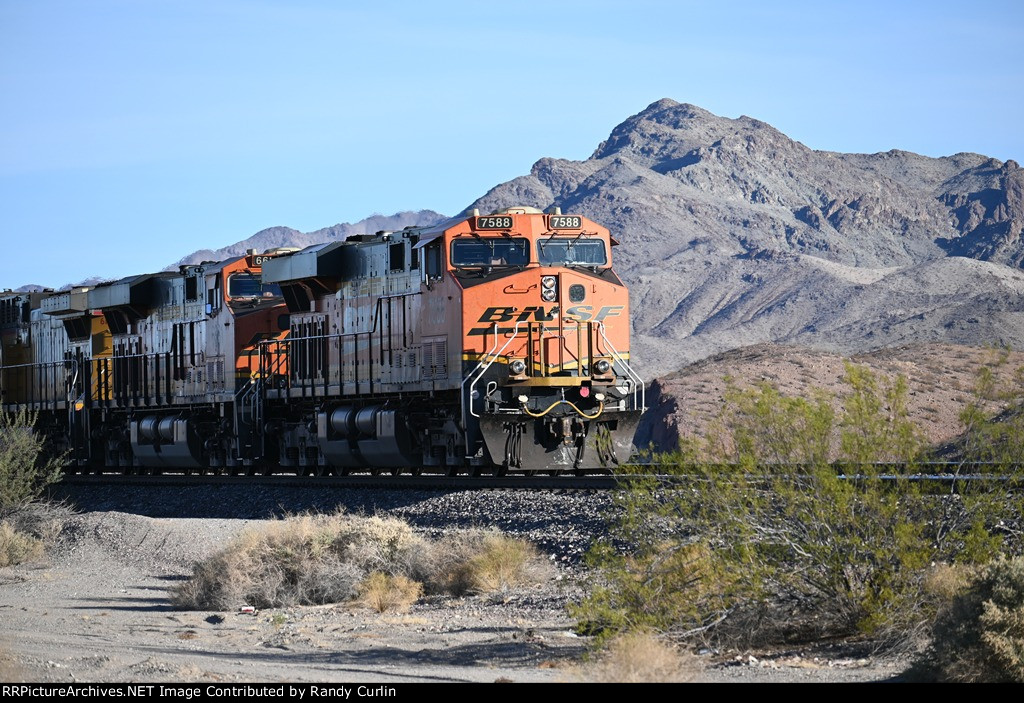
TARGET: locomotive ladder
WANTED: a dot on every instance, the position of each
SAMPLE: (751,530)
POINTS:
(248,418)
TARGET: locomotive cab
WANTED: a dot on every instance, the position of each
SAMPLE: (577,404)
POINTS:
(546,339)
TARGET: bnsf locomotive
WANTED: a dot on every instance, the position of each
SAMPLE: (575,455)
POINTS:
(488,343)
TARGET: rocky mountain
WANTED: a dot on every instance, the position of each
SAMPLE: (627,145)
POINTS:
(940,379)
(734,234)
(274,237)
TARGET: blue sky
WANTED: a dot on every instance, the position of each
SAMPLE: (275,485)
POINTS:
(135,132)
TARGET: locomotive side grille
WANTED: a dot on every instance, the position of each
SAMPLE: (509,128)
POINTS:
(435,357)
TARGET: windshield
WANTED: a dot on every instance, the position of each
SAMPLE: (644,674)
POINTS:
(249,285)
(491,251)
(562,251)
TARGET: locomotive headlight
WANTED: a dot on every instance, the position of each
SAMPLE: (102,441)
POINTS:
(517,367)
(601,367)
(548,295)
(547,282)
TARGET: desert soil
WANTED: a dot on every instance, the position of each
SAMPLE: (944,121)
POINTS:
(97,608)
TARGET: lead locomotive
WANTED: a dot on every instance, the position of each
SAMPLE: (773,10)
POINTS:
(487,343)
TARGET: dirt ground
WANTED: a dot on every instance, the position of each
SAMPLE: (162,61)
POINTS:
(97,609)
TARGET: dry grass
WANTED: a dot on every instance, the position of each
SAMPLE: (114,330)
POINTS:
(640,657)
(504,563)
(43,520)
(481,561)
(944,582)
(298,561)
(386,593)
(17,547)
(26,531)
(317,559)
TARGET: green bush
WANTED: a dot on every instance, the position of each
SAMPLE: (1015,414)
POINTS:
(769,540)
(979,636)
(25,470)
(996,441)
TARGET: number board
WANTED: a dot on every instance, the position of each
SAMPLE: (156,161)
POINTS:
(494,222)
(565,222)
(259,259)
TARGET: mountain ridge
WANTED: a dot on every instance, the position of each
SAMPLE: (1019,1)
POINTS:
(734,234)
(273,237)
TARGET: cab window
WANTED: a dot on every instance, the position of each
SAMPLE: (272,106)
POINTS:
(565,251)
(249,285)
(491,251)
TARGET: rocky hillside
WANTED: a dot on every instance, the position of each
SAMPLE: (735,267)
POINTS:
(941,380)
(734,234)
(274,237)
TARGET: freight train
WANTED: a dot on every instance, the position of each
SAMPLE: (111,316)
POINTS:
(486,344)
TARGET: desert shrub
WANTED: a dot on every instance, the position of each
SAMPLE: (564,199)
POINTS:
(386,592)
(640,657)
(17,547)
(43,520)
(996,441)
(770,540)
(979,636)
(482,561)
(335,558)
(500,563)
(25,469)
(447,571)
(387,545)
(290,562)
(669,587)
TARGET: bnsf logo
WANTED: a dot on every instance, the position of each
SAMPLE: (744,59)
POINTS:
(579,313)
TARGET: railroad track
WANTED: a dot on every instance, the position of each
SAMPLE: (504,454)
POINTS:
(436,482)
(939,474)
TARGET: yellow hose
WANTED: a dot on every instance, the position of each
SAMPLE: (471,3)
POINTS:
(600,409)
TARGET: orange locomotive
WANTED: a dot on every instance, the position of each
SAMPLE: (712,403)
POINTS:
(487,343)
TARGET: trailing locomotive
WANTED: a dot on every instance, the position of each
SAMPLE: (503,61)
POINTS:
(485,344)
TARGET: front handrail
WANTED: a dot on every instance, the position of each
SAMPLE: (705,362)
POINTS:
(638,387)
(481,368)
